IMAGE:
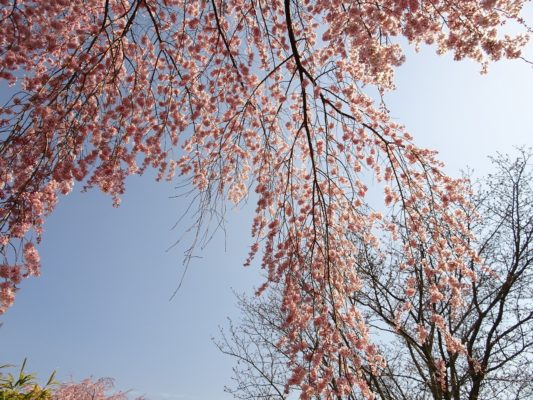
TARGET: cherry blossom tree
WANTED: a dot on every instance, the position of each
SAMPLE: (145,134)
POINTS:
(238,95)
(89,390)
(492,355)
(24,386)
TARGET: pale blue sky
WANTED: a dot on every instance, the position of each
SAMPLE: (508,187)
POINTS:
(101,306)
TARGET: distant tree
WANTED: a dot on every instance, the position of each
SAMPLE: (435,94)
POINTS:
(488,353)
(23,386)
(88,390)
(238,95)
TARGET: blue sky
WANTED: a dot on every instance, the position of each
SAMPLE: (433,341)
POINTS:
(101,306)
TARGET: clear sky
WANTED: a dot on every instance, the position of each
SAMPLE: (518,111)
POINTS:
(101,306)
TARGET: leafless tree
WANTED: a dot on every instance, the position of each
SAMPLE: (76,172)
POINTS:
(489,352)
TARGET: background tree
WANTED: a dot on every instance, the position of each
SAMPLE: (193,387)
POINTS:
(23,386)
(236,95)
(489,352)
(89,389)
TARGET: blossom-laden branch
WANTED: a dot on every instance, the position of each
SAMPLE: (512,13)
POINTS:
(487,350)
(239,94)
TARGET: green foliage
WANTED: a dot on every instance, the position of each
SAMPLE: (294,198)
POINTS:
(23,386)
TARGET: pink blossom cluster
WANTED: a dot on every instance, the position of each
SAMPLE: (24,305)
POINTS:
(237,94)
(88,390)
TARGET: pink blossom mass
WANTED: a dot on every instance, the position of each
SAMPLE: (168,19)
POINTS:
(275,97)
